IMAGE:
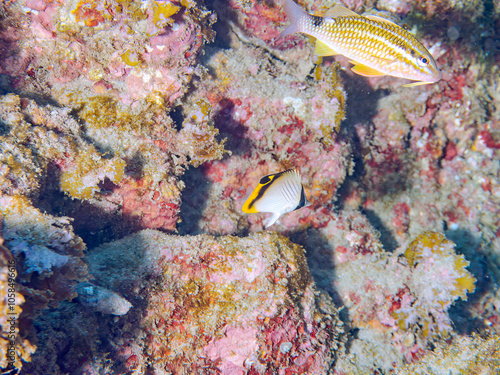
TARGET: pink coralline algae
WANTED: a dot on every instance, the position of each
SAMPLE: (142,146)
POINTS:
(398,304)
(265,119)
(78,54)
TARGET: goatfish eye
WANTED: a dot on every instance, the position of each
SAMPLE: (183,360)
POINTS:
(423,61)
(278,194)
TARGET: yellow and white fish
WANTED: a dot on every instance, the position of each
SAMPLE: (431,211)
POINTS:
(375,46)
(277,193)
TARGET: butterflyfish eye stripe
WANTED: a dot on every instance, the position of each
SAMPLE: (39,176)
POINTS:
(261,192)
(265,180)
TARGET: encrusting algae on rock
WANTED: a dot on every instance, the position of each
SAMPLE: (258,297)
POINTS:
(467,355)
(82,180)
(115,100)
(439,277)
(14,348)
(430,248)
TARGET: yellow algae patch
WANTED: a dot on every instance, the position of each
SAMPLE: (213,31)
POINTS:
(130,58)
(162,11)
(102,111)
(433,244)
(90,12)
(15,350)
(82,181)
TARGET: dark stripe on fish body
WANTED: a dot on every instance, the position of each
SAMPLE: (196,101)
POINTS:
(265,186)
(317,21)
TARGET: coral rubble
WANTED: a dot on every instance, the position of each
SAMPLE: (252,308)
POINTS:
(467,355)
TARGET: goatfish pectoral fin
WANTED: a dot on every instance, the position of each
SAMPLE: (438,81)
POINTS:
(340,11)
(413,84)
(322,49)
(366,71)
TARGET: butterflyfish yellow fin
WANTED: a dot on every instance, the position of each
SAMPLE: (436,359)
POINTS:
(413,84)
(322,49)
(380,19)
(366,71)
(340,11)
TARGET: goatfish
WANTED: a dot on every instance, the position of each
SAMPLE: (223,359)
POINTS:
(375,46)
(277,193)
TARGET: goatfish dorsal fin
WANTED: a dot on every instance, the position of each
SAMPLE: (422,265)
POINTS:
(380,19)
(321,49)
(278,194)
(340,11)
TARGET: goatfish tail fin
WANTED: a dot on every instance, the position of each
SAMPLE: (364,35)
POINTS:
(295,15)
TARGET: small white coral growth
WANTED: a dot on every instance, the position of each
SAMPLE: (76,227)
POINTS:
(438,278)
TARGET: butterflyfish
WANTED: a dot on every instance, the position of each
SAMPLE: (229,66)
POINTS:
(277,193)
(375,46)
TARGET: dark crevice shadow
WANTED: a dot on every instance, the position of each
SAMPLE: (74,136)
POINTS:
(361,106)
(93,224)
(194,198)
(388,240)
(362,100)
(320,260)
(229,128)
(225,15)
(464,313)
(177,116)
(76,339)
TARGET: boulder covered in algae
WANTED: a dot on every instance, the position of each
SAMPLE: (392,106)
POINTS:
(201,304)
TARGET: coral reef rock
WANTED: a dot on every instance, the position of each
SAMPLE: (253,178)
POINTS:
(222,305)
(466,355)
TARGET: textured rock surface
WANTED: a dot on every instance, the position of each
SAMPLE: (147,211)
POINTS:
(227,304)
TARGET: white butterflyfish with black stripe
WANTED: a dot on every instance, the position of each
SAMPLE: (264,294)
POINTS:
(277,193)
